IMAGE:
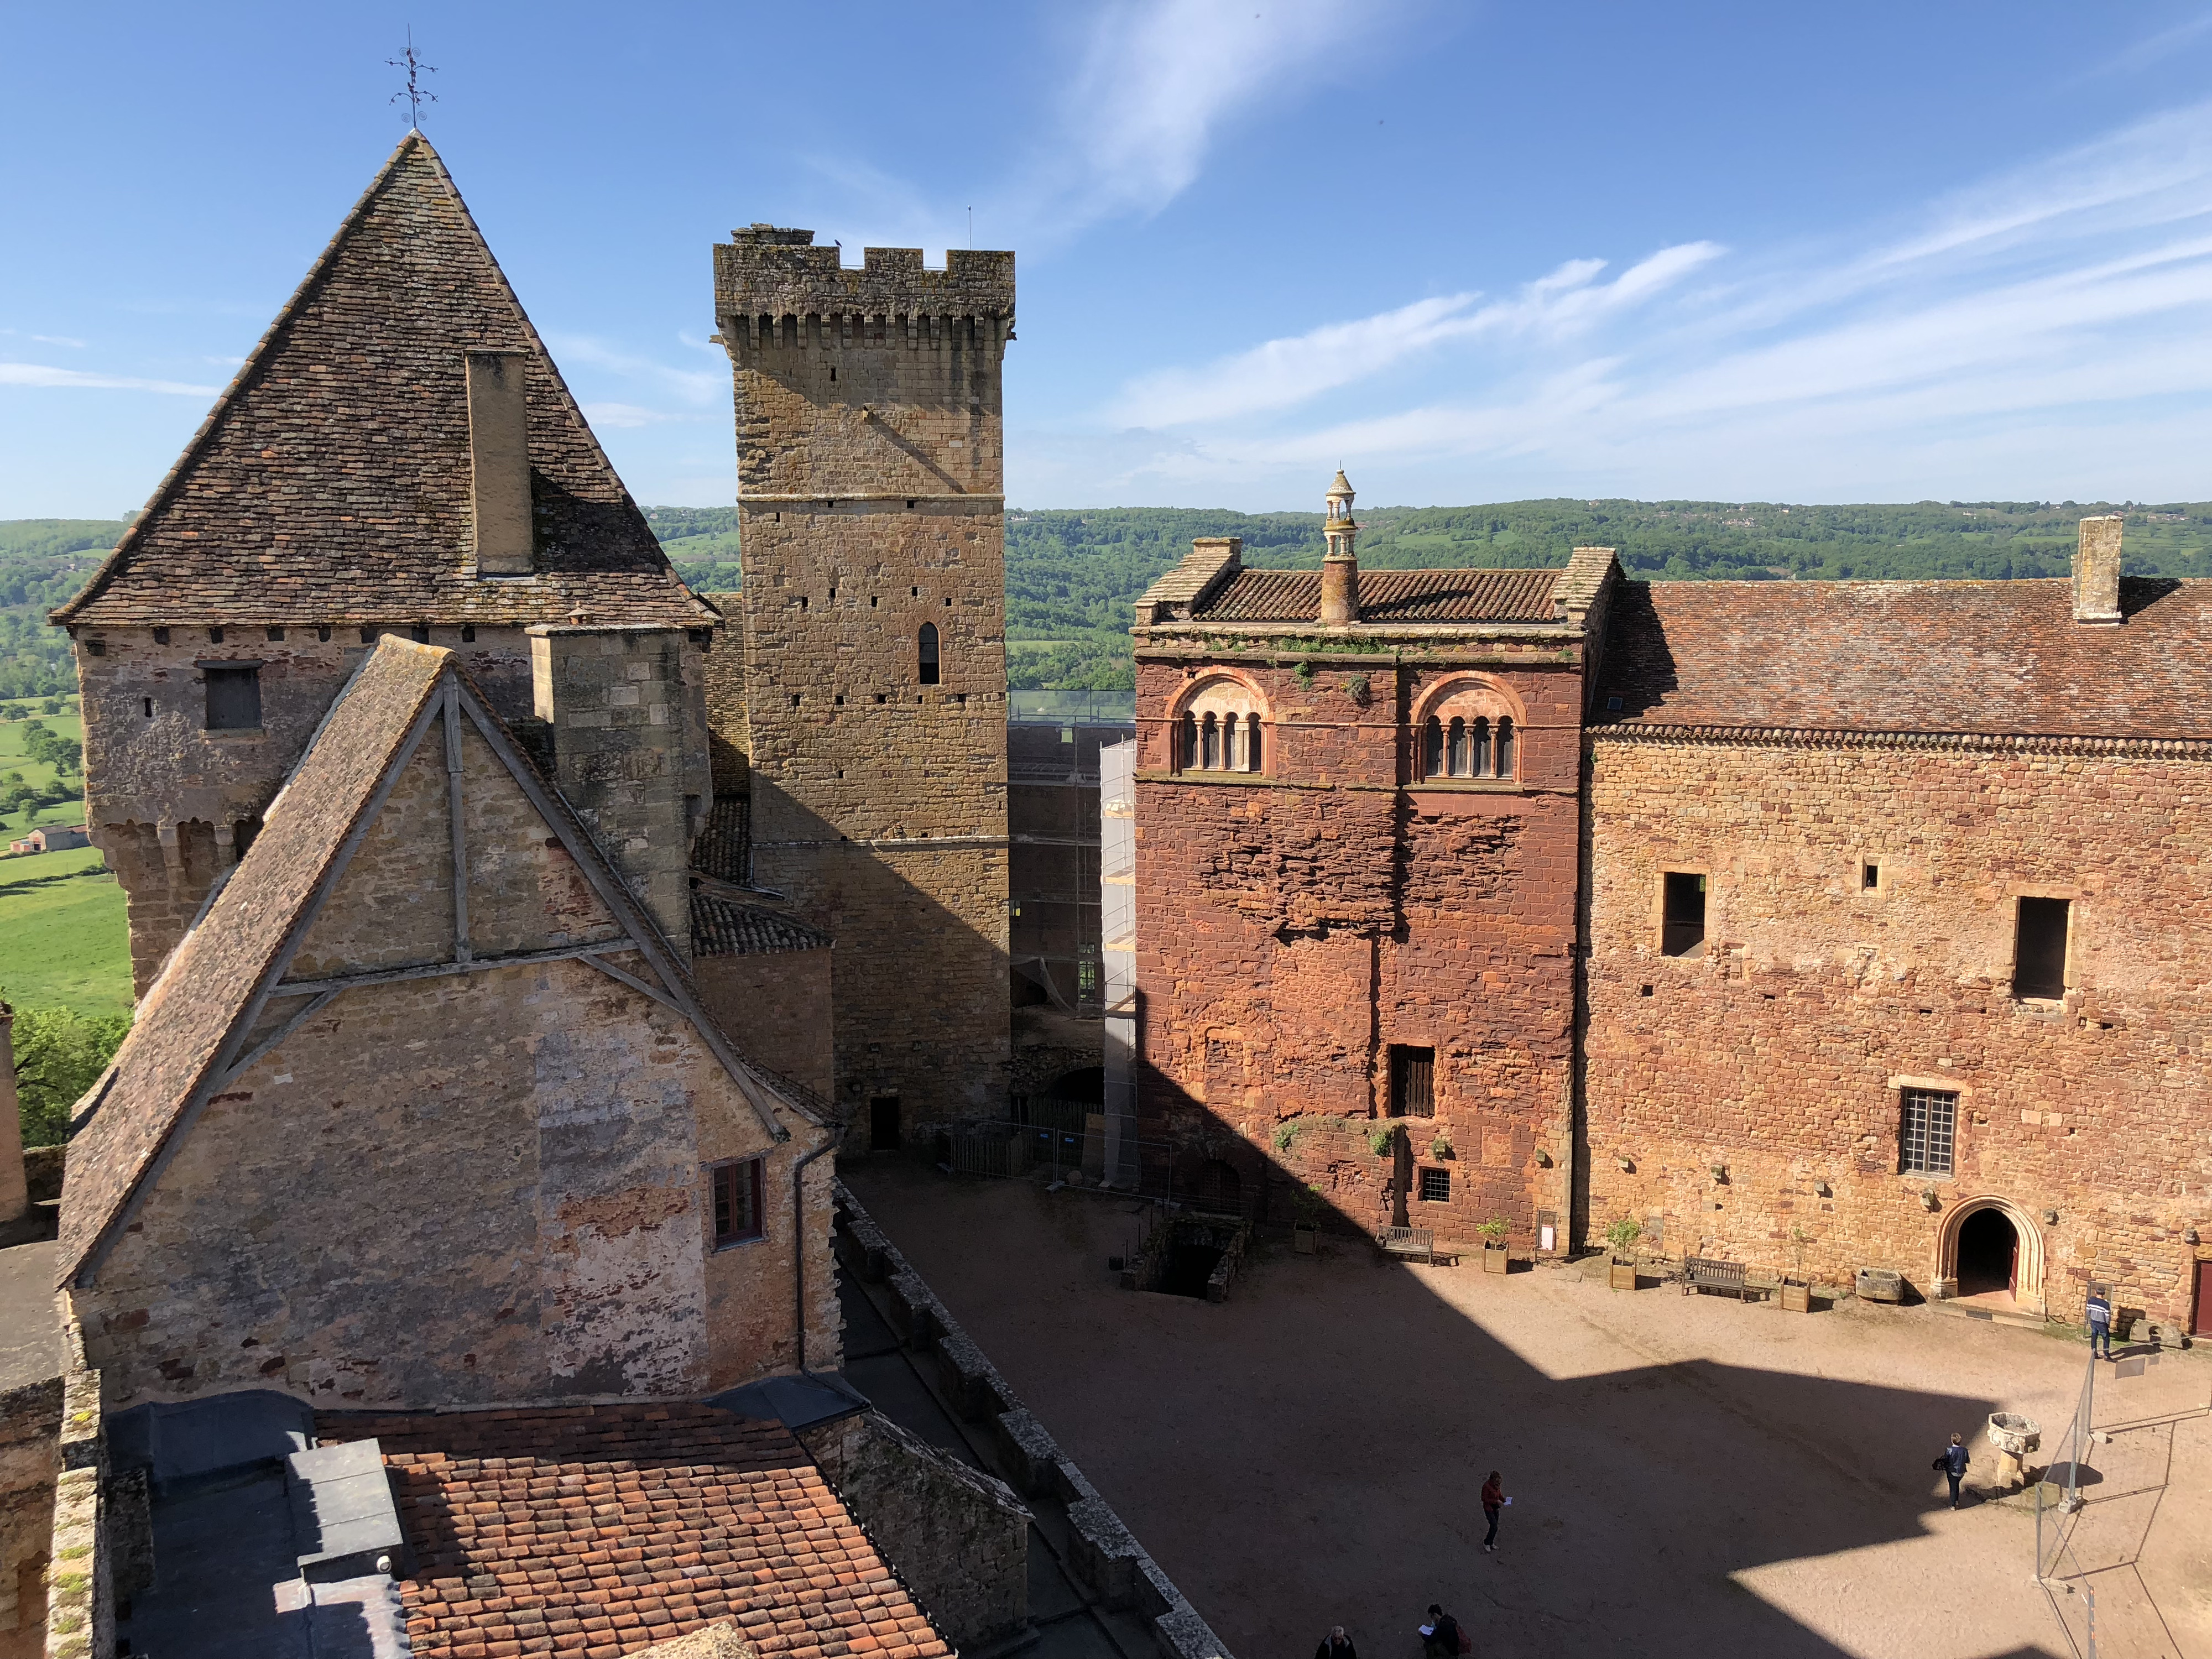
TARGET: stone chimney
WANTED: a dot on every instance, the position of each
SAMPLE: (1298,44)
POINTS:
(499,462)
(15,1191)
(614,701)
(2097,571)
(1339,570)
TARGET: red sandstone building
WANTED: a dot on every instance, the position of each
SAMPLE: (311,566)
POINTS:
(1816,926)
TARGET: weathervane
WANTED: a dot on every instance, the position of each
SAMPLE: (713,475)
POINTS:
(416,68)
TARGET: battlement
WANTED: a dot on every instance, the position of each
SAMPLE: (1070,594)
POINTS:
(766,272)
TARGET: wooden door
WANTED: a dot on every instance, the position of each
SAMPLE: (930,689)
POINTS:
(2203,1320)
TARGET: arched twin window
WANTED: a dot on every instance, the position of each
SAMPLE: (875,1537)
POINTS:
(1221,730)
(931,665)
(1470,735)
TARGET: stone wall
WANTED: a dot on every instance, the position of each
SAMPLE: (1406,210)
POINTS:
(1778,1056)
(487,1186)
(1299,923)
(959,1538)
(780,1001)
(870,464)
(30,1461)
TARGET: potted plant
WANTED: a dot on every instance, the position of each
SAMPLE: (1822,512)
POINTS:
(1497,1257)
(1620,1275)
(1305,1226)
(1797,1290)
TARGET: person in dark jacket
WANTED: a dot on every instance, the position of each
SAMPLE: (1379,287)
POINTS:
(1440,1636)
(2099,1310)
(1336,1645)
(1952,1460)
(1494,1501)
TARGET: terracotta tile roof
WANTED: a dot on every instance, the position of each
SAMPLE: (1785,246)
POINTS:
(183,1022)
(331,482)
(1389,596)
(1997,657)
(723,927)
(599,1530)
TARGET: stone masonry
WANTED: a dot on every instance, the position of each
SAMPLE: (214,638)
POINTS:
(1306,921)
(872,524)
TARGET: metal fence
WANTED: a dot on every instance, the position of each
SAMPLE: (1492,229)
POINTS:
(1081,1148)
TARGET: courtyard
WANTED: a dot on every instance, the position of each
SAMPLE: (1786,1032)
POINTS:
(1690,1475)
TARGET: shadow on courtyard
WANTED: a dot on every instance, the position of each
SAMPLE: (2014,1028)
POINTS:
(1310,1452)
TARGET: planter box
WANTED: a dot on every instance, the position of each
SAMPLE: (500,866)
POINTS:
(1303,1239)
(1621,1275)
(1497,1259)
(1796,1299)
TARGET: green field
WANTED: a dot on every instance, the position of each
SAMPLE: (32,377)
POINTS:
(38,774)
(63,943)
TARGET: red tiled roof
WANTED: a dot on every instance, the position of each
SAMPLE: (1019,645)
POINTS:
(330,483)
(1989,657)
(598,1530)
(1389,596)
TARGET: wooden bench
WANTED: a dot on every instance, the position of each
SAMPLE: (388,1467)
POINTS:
(1702,1274)
(1410,1242)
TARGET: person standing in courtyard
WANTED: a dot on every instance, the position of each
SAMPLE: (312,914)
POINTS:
(2099,1310)
(1494,1501)
(1336,1645)
(1952,1460)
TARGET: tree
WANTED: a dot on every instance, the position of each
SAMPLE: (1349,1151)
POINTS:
(59,1053)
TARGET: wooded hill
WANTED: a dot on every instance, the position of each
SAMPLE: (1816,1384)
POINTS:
(1072,576)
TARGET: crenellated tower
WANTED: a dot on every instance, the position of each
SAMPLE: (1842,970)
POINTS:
(872,530)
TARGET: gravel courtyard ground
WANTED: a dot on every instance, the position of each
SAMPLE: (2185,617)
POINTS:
(1691,1475)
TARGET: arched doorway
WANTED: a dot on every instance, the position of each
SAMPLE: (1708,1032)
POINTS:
(1988,1253)
(1218,1187)
(1989,1245)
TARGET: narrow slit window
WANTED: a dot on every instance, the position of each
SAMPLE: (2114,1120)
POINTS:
(1457,749)
(931,664)
(1188,758)
(1231,733)
(1432,747)
(2039,948)
(736,1202)
(1412,1081)
(1478,746)
(1505,737)
(1210,737)
(1254,751)
(1926,1126)
(1682,927)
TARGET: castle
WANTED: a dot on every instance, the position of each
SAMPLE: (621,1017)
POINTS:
(1815,926)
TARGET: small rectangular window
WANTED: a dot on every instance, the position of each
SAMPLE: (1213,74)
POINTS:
(2039,963)
(160,637)
(736,1202)
(1928,1119)
(1869,877)
(234,699)
(1412,1081)
(1682,933)
(275,633)
(1436,1185)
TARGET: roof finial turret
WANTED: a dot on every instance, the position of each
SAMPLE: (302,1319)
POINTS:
(415,93)
(1340,571)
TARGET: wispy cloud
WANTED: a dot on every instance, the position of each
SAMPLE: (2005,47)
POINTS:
(59,340)
(630,416)
(693,386)
(43,374)
(1284,373)
(2072,295)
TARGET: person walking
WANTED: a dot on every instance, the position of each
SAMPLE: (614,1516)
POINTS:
(2100,1322)
(1336,1645)
(1494,1501)
(1952,1460)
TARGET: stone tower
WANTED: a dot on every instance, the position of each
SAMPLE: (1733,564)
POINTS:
(872,529)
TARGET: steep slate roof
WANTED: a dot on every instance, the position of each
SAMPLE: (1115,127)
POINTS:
(330,483)
(1389,596)
(195,1017)
(595,1530)
(723,927)
(1995,657)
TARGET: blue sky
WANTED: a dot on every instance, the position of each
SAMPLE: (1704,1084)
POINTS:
(1470,252)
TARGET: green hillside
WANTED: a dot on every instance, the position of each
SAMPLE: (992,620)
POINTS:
(1072,576)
